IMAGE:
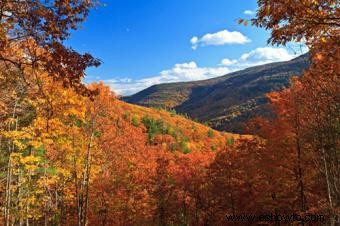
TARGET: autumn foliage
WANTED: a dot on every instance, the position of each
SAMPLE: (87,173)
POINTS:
(70,159)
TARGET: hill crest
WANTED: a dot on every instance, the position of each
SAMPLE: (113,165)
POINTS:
(225,102)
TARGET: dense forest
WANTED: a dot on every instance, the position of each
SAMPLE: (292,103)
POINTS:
(74,154)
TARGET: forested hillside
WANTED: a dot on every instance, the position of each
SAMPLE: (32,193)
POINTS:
(98,155)
(226,103)
(74,154)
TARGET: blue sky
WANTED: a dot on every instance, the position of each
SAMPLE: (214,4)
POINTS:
(145,42)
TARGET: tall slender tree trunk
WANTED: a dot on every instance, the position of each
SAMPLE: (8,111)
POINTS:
(300,176)
(88,172)
(328,183)
(298,133)
(8,192)
(83,191)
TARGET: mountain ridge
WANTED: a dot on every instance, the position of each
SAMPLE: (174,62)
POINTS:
(224,102)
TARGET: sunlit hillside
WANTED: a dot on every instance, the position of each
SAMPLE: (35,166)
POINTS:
(177,132)
(75,152)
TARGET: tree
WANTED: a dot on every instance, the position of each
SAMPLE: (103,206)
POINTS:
(309,20)
(29,26)
(314,98)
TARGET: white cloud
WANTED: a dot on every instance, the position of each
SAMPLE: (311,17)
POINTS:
(179,73)
(193,41)
(258,56)
(190,71)
(228,62)
(219,38)
(249,12)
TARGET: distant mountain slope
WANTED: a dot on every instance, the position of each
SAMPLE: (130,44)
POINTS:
(224,102)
